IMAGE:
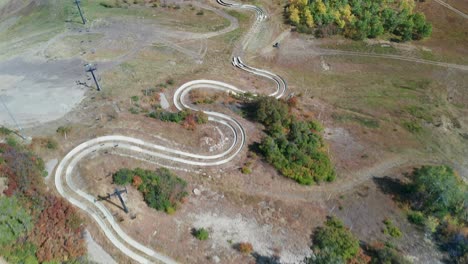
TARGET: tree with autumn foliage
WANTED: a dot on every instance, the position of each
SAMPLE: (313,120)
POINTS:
(58,233)
(35,226)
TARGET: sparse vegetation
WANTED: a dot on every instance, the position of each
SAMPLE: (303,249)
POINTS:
(161,189)
(358,19)
(293,147)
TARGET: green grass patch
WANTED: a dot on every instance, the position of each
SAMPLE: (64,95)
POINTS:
(412,126)
(361,46)
(242,17)
(366,122)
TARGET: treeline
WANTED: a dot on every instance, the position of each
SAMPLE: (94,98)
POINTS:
(293,147)
(439,201)
(161,189)
(358,19)
(35,226)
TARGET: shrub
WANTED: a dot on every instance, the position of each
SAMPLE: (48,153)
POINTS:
(123,176)
(51,144)
(412,126)
(201,234)
(245,247)
(110,3)
(387,254)
(334,242)
(10,140)
(161,189)
(200,13)
(135,98)
(5,131)
(416,217)
(391,229)
(170,81)
(246,170)
(134,110)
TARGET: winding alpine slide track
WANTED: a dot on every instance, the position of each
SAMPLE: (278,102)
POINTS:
(103,217)
(64,173)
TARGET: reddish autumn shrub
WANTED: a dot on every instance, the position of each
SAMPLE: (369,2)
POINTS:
(245,247)
(360,258)
(137,181)
(58,233)
(292,102)
(23,169)
(190,122)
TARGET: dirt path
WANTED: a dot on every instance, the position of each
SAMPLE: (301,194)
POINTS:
(465,16)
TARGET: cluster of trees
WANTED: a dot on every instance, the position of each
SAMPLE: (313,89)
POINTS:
(161,189)
(35,227)
(188,119)
(334,243)
(358,19)
(293,147)
(439,198)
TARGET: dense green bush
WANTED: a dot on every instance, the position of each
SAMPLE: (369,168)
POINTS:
(416,217)
(387,255)
(169,116)
(201,234)
(123,176)
(293,147)
(358,19)
(161,189)
(333,243)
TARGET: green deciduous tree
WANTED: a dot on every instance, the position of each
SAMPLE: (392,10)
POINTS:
(439,191)
(14,220)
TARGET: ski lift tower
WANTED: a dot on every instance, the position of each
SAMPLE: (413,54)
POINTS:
(92,68)
(77,2)
(117,193)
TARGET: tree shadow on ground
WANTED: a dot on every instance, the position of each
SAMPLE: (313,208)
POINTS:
(395,187)
(259,259)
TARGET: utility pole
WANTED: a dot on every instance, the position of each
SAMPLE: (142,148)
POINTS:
(77,2)
(91,68)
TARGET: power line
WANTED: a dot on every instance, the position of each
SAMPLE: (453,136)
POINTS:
(20,130)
